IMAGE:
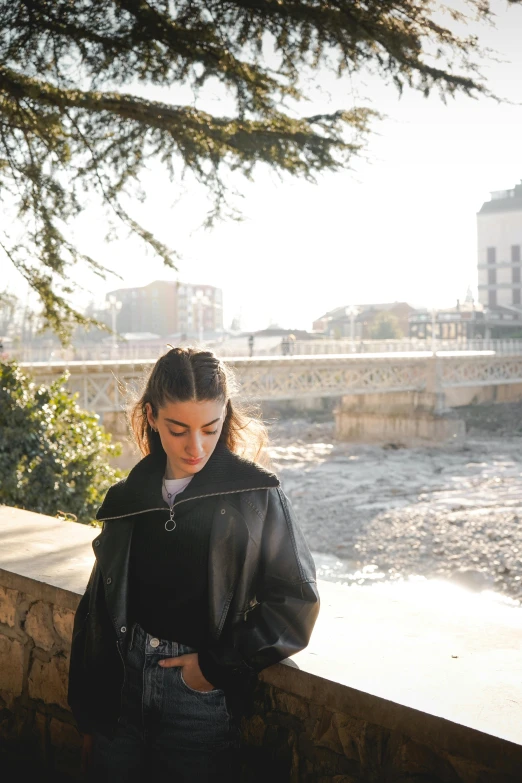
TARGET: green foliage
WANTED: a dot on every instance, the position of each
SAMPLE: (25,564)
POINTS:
(53,456)
(76,129)
(385,327)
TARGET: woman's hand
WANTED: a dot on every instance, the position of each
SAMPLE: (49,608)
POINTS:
(191,672)
(87,751)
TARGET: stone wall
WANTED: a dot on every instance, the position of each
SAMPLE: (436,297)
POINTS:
(409,418)
(35,639)
(387,692)
(303,731)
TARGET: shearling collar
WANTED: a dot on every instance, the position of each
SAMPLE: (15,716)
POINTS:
(224,473)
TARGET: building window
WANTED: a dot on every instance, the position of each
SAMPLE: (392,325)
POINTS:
(516,296)
(492,276)
(516,274)
(492,255)
(492,298)
(515,254)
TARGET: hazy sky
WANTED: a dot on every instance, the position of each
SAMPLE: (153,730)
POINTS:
(402,226)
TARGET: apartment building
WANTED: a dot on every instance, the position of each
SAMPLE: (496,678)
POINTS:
(166,307)
(499,235)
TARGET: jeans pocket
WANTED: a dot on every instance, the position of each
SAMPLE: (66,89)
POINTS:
(214,691)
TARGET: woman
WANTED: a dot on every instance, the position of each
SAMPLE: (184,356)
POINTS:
(202,578)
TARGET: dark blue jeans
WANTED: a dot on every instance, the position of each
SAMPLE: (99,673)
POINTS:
(165,726)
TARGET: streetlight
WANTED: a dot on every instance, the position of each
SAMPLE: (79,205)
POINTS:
(114,307)
(433,328)
(352,311)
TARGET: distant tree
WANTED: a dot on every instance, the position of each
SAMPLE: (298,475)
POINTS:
(8,304)
(75,127)
(53,456)
(385,327)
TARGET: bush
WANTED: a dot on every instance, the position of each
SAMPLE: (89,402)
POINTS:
(53,455)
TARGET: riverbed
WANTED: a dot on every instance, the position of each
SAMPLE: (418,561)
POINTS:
(374,514)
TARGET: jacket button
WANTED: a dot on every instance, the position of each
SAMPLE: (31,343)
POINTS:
(123,629)
(96,543)
(109,580)
(223,511)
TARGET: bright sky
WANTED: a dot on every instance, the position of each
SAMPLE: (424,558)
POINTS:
(402,226)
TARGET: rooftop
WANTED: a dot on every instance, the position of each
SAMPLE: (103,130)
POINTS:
(504,201)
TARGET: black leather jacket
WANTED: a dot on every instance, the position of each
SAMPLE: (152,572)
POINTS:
(263,599)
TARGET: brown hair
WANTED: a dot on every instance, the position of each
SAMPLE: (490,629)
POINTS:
(186,374)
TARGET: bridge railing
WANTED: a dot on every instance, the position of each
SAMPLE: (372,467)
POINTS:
(317,347)
(233,348)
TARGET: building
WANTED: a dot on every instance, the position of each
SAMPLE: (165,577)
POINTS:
(499,234)
(150,308)
(358,320)
(466,321)
(200,310)
(169,308)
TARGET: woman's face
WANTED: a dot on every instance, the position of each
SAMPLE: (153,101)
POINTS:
(189,432)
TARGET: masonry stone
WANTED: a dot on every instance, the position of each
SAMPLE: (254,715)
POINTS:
(12,666)
(8,606)
(417,759)
(287,702)
(64,735)
(48,680)
(343,736)
(39,731)
(349,733)
(39,625)
(63,620)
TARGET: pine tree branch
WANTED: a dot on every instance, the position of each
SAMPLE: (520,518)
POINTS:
(68,127)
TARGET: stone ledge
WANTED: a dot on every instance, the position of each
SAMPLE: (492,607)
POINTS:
(430,730)
(57,555)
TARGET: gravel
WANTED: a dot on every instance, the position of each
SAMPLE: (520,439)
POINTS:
(385,513)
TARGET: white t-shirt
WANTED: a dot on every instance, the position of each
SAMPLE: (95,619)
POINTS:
(173,487)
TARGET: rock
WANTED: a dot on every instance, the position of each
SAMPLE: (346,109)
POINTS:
(39,625)
(472,579)
(63,620)
(64,735)
(8,600)
(12,669)
(48,681)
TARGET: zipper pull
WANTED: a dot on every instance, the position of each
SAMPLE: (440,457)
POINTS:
(170,524)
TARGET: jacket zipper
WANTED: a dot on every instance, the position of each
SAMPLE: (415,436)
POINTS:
(166,508)
(179,502)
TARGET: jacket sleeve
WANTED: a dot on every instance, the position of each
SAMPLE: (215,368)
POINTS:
(77,674)
(281,622)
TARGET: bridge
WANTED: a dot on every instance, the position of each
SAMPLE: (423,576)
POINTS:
(108,386)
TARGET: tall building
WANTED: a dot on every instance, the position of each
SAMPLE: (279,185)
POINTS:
(499,228)
(170,308)
(200,309)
